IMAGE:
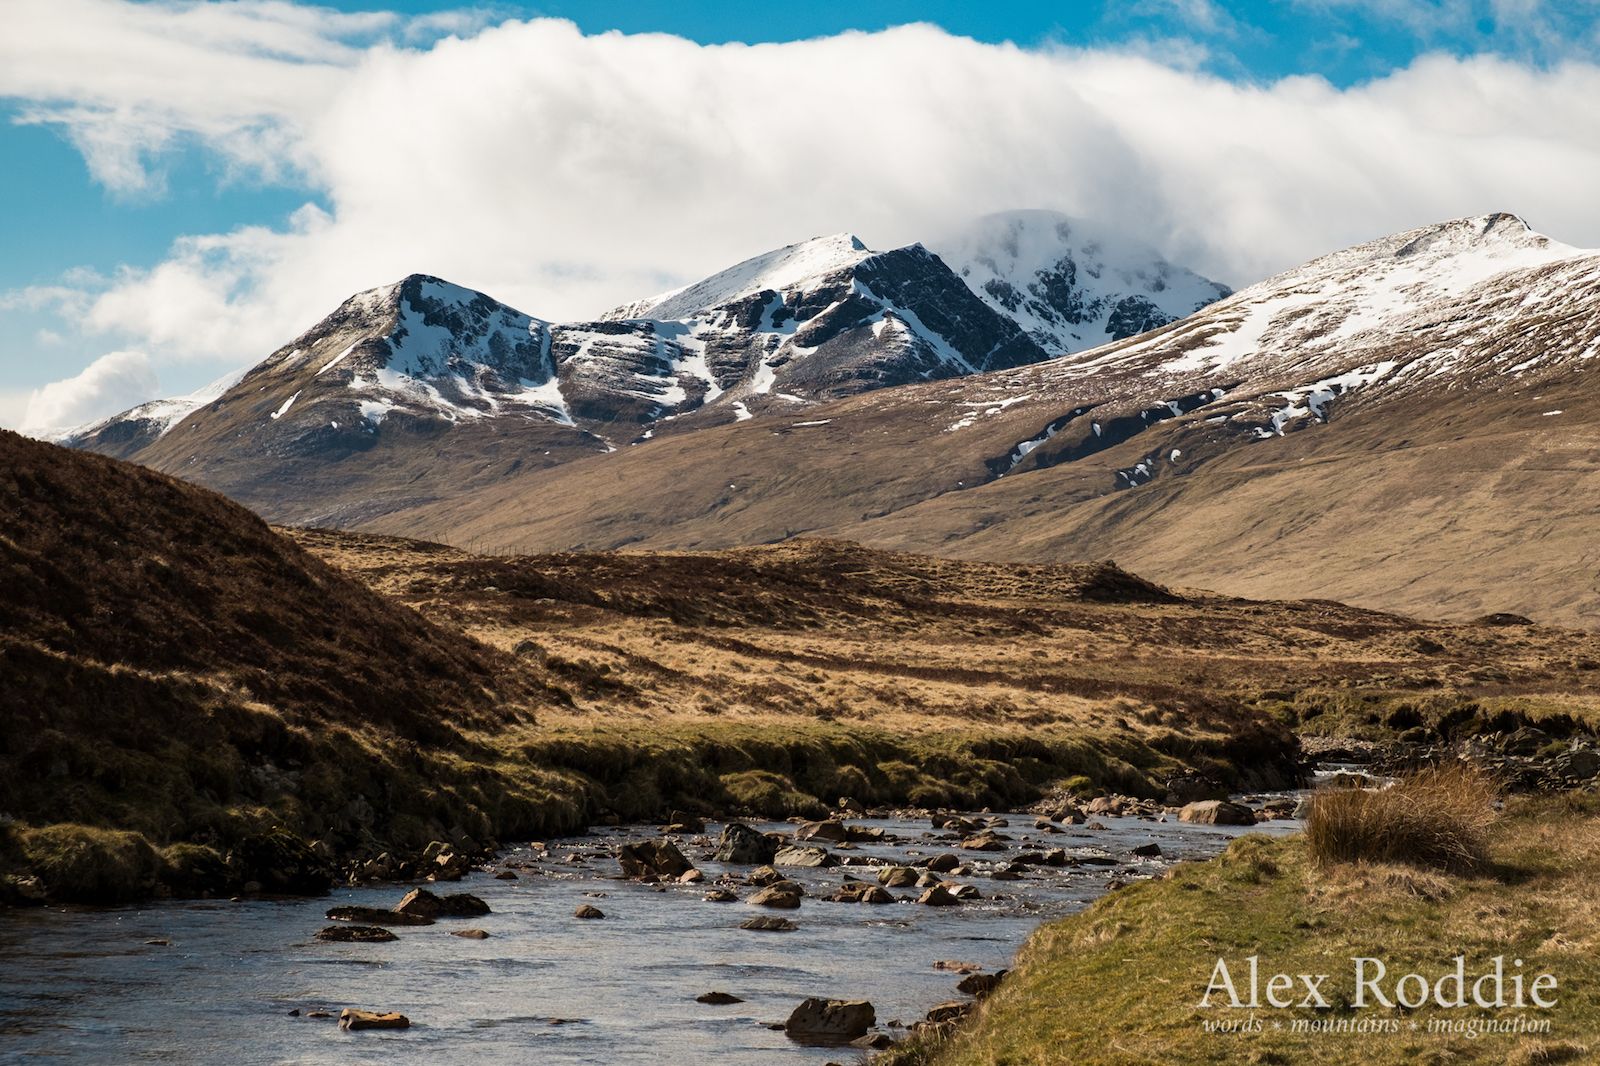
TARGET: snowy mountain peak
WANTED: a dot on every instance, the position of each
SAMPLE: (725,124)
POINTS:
(1475,247)
(1069,283)
(786,268)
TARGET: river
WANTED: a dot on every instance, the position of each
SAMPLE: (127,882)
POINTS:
(83,985)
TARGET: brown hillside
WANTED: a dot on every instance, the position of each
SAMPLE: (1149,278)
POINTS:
(173,667)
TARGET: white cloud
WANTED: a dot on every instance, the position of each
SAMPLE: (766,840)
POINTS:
(566,173)
(114,382)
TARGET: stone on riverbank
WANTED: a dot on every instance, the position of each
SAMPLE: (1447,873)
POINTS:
(1217,812)
(830,1021)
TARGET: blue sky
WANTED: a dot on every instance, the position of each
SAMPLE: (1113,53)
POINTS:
(72,229)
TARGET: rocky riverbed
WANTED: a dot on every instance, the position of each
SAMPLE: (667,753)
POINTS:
(568,961)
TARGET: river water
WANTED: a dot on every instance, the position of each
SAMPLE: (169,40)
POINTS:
(82,985)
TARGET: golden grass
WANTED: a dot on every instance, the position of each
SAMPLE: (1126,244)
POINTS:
(1437,818)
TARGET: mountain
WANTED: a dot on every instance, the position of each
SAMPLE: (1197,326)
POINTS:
(125,434)
(1069,283)
(420,390)
(1408,423)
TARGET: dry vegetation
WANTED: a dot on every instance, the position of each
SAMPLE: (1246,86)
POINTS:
(1119,984)
(1439,817)
(179,671)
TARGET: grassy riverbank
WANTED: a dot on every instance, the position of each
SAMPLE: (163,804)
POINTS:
(1120,983)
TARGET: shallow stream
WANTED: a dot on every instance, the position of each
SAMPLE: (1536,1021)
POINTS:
(83,985)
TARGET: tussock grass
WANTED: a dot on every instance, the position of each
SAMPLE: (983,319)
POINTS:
(1437,818)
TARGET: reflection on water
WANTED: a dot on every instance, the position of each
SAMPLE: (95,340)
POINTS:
(82,985)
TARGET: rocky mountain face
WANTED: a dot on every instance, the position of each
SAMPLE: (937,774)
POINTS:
(1408,423)
(1071,284)
(423,389)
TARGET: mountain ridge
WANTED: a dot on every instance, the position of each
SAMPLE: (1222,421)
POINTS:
(1161,451)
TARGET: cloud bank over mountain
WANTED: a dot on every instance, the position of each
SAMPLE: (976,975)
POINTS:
(568,173)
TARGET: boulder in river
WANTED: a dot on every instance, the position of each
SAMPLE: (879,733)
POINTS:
(470,934)
(861,892)
(784,895)
(421,902)
(376,916)
(722,895)
(831,829)
(353,1019)
(941,864)
(653,858)
(685,823)
(355,934)
(988,840)
(1146,851)
(1217,812)
(769,923)
(897,877)
(588,911)
(830,1021)
(717,999)
(938,896)
(814,858)
(744,846)
(764,875)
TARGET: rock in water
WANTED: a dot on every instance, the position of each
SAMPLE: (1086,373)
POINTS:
(587,911)
(422,903)
(470,934)
(897,876)
(653,858)
(832,829)
(376,916)
(764,875)
(815,858)
(355,934)
(1217,812)
(938,896)
(353,1019)
(784,895)
(830,1021)
(685,823)
(744,846)
(769,923)
(717,999)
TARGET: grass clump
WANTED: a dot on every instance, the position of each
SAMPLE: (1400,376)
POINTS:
(1437,818)
(83,864)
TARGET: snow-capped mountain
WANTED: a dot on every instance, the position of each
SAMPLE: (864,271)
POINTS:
(1071,284)
(426,366)
(124,434)
(1410,423)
